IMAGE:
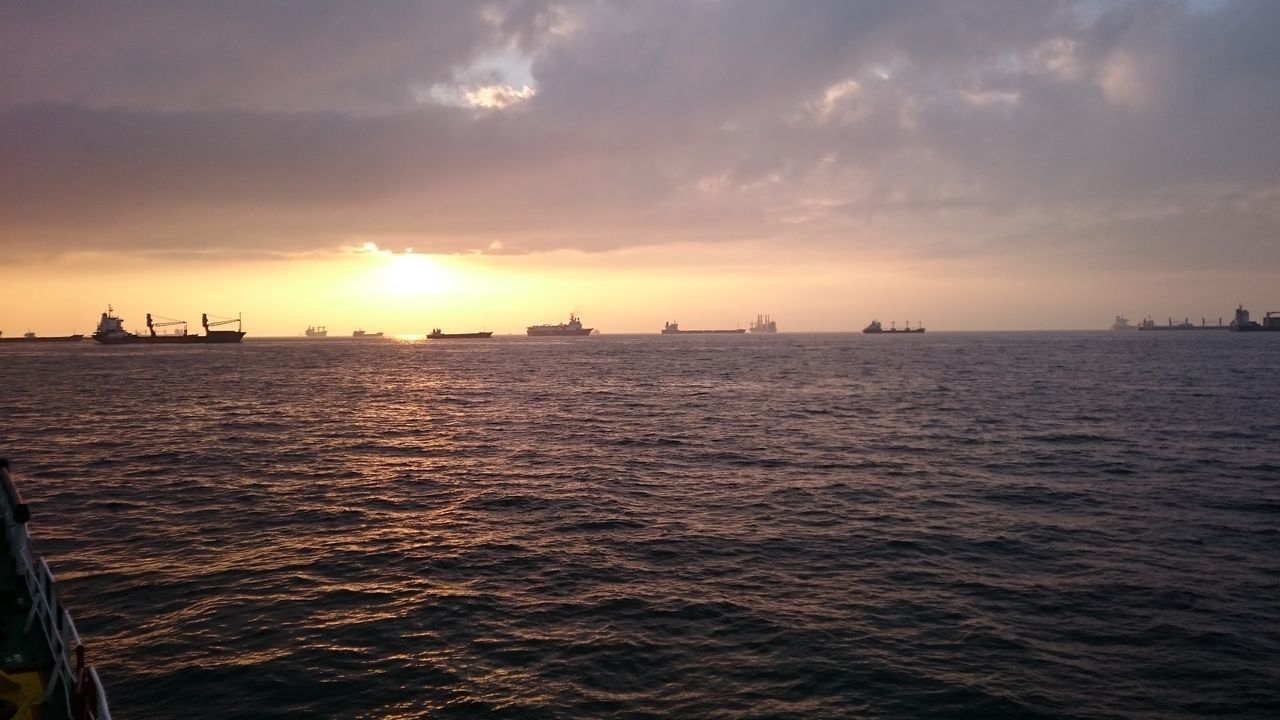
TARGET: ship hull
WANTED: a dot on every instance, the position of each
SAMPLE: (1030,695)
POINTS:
(460,336)
(57,338)
(557,332)
(46,655)
(215,337)
(893,332)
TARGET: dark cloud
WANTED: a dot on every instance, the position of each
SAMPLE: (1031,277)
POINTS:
(253,56)
(1131,129)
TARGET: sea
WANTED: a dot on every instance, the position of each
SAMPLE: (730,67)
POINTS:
(948,525)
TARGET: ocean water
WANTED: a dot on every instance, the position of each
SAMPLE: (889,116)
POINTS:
(1057,525)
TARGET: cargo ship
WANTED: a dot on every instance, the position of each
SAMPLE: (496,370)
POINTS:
(571,328)
(317,331)
(875,328)
(674,329)
(30,337)
(1242,323)
(1122,323)
(438,334)
(111,331)
(43,673)
(362,334)
(1148,324)
(764,324)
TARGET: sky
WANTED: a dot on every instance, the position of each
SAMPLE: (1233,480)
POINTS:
(399,166)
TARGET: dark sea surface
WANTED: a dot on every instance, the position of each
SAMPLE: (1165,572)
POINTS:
(1068,525)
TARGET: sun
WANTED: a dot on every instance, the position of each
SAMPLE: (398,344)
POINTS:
(411,274)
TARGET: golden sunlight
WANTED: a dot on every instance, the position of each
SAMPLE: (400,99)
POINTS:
(408,274)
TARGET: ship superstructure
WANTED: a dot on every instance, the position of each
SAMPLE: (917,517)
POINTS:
(764,324)
(1242,323)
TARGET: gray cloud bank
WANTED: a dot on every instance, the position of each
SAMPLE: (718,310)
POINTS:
(1123,132)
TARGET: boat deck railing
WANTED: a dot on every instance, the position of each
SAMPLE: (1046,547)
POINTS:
(75,682)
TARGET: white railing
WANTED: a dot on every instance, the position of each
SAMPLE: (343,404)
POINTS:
(71,682)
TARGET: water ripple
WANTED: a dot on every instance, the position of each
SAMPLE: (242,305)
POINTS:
(799,526)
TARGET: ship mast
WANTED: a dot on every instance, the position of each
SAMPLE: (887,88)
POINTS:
(151,326)
(204,320)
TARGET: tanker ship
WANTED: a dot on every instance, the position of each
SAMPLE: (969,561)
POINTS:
(672,328)
(438,334)
(29,337)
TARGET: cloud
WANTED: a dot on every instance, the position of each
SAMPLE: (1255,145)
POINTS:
(486,97)
(971,128)
(494,82)
(258,57)
(1123,82)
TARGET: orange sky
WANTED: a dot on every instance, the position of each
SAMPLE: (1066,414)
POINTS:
(631,291)
(973,165)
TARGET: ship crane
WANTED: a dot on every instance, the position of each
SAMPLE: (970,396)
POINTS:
(167,322)
(204,320)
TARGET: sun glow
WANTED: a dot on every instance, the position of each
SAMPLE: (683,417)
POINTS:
(412,275)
